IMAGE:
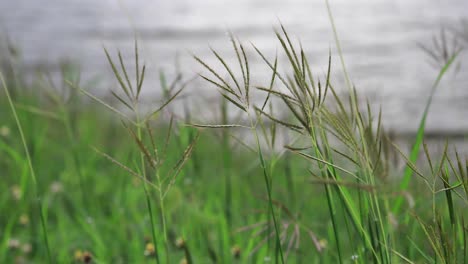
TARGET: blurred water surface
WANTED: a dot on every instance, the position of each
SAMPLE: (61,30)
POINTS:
(379,39)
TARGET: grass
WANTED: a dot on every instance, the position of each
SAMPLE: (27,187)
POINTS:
(118,184)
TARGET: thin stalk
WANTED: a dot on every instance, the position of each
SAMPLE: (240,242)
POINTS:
(330,202)
(332,211)
(355,111)
(69,131)
(338,45)
(163,218)
(420,134)
(227,165)
(268,187)
(31,169)
(344,195)
(289,177)
(153,230)
(147,194)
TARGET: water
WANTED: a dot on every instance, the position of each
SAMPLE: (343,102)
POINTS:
(379,40)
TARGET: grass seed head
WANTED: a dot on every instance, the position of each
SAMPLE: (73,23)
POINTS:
(87,257)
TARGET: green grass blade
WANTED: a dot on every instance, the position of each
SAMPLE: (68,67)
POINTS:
(408,173)
(31,168)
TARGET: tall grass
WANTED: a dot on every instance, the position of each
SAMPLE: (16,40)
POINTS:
(239,95)
(329,195)
(353,192)
(152,158)
(37,196)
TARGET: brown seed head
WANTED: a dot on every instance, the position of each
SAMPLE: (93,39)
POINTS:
(87,257)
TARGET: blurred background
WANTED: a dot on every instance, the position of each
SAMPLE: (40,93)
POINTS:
(393,49)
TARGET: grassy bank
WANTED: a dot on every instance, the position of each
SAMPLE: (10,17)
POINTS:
(95,182)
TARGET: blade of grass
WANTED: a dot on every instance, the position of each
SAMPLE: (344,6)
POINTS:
(408,173)
(31,169)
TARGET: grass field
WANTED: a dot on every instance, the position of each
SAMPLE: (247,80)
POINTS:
(87,181)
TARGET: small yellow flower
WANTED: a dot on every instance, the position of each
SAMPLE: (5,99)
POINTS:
(26,248)
(183,261)
(150,250)
(24,219)
(78,255)
(180,243)
(236,251)
(83,256)
(4,131)
(16,192)
(323,243)
(14,243)
(56,187)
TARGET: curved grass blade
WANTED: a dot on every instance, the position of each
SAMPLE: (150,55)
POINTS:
(420,135)
(31,168)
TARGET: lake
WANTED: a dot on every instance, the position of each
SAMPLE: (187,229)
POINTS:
(380,40)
